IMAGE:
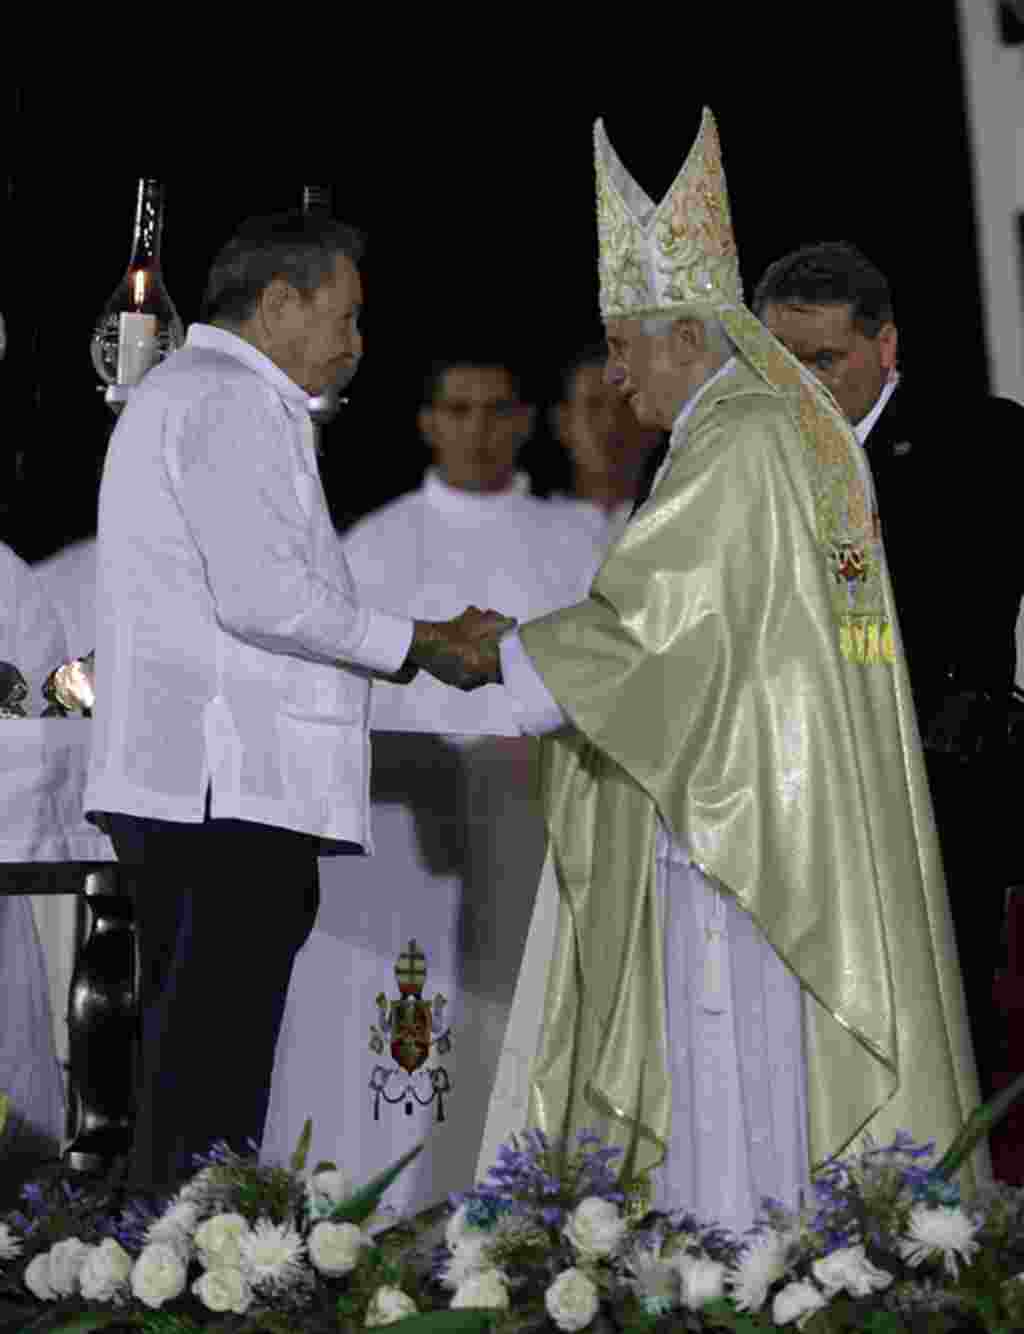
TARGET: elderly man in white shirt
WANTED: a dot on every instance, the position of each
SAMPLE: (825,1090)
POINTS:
(233,664)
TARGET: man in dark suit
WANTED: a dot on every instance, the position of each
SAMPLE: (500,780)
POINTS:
(947,475)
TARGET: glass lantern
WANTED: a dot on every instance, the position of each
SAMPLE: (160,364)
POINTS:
(139,325)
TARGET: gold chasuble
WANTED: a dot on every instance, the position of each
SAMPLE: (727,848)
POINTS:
(737,672)
(708,684)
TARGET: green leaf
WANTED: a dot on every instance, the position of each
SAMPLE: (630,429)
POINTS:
(981,1122)
(359,1207)
(5,1103)
(92,1320)
(723,1313)
(298,1159)
(325,1166)
(447,1322)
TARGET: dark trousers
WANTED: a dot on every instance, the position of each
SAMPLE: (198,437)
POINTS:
(972,815)
(222,908)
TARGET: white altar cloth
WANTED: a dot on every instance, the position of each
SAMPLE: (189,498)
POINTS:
(460,843)
(43,763)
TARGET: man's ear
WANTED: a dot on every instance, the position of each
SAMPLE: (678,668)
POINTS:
(689,339)
(888,345)
(274,300)
(527,417)
(425,423)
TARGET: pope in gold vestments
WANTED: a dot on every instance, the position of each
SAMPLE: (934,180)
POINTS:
(736,672)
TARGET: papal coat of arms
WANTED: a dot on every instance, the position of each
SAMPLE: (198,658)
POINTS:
(410,1026)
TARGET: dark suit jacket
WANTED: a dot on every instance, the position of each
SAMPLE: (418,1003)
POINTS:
(949,476)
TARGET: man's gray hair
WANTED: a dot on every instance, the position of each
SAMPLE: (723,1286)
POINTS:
(300,249)
(656,326)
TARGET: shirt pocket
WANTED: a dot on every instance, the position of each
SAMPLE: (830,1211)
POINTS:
(316,692)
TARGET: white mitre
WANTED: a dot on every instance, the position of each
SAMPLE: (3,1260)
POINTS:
(657,259)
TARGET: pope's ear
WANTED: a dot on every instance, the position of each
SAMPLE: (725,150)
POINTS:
(689,337)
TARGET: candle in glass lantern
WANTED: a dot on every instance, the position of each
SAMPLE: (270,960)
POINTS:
(136,346)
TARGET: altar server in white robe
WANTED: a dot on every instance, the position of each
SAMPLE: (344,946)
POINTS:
(458,831)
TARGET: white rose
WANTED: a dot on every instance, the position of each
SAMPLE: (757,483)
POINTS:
(486,1289)
(217,1240)
(595,1228)
(66,1260)
(850,1268)
(458,1228)
(797,1301)
(159,1274)
(10,1243)
(37,1277)
(468,1258)
(388,1306)
(223,1289)
(104,1275)
(572,1300)
(334,1247)
(326,1189)
(701,1279)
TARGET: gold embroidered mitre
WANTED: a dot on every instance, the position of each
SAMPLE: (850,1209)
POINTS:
(654,260)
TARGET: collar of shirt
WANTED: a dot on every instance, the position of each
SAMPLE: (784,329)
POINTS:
(222,340)
(455,503)
(863,428)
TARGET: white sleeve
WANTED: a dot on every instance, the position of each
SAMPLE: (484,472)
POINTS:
(540,712)
(236,484)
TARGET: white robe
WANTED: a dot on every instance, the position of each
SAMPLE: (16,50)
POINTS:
(459,846)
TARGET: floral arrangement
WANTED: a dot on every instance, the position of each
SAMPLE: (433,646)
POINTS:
(553,1239)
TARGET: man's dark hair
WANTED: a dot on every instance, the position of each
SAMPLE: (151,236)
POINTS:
(434,377)
(299,248)
(830,273)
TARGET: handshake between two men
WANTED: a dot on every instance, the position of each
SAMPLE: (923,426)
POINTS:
(462,652)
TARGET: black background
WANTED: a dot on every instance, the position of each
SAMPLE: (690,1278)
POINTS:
(473,178)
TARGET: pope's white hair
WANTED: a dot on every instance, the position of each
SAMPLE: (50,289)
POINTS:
(718,340)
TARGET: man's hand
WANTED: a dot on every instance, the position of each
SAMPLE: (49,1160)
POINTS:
(462,652)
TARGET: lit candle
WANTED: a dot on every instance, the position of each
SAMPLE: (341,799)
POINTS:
(136,346)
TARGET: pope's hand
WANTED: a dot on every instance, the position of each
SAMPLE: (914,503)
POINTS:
(462,652)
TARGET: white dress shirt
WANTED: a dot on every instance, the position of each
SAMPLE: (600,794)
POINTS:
(231,649)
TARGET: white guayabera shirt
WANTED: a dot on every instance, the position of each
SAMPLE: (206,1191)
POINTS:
(231,647)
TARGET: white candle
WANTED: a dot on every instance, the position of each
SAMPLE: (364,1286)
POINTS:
(136,346)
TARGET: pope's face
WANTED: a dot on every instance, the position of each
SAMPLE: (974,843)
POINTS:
(849,363)
(645,371)
(597,427)
(318,342)
(475,428)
